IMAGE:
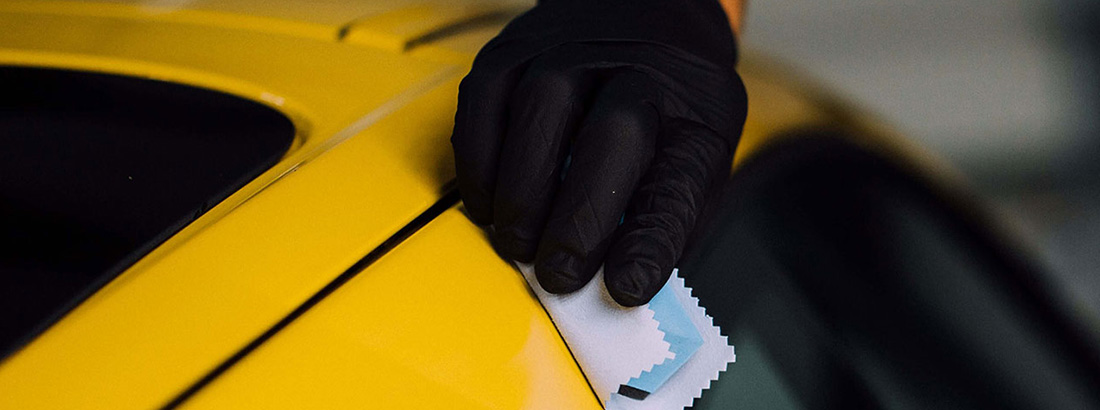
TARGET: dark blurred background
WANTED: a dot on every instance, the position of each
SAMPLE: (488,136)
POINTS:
(1008,91)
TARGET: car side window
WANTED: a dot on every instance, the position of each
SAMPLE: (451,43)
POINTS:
(96,170)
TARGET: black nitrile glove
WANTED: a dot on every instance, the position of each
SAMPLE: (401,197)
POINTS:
(591,131)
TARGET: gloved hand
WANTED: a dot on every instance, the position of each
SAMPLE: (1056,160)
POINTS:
(592,131)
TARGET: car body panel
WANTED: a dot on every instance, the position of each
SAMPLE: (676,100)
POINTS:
(372,153)
(489,347)
(321,20)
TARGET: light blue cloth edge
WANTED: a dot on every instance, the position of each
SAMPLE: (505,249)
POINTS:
(680,333)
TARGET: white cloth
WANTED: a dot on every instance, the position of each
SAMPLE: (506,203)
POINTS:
(613,344)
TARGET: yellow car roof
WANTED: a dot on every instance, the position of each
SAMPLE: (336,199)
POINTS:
(372,104)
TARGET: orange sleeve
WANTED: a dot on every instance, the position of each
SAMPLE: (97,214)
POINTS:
(735,10)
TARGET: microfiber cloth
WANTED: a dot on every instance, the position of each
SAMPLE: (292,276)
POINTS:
(661,355)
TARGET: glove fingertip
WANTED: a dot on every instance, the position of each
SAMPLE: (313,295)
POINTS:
(560,273)
(632,283)
(480,215)
(513,247)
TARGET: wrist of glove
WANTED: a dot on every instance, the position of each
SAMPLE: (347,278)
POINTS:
(590,132)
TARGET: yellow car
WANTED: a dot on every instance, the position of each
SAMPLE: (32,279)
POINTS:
(248,204)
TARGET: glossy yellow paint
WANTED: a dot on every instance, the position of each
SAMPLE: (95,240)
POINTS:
(400,29)
(442,309)
(372,153)
(317,19)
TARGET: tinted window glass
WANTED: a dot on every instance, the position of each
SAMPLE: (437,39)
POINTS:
(96,170)
(848,281)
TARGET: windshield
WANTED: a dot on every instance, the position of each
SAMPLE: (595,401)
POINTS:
(96,170)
